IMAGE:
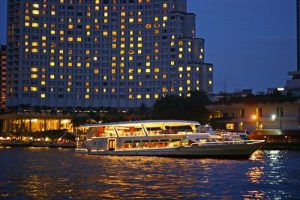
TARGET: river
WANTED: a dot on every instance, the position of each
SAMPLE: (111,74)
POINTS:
(45,173)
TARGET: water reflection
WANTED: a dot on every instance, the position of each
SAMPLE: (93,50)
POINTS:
(255,174)
(60,174)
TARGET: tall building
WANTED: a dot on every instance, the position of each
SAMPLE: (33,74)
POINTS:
(110,53)
(2,76)
(293,85)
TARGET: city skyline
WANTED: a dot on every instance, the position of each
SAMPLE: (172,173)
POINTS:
(262,30)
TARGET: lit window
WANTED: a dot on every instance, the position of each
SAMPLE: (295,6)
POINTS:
(35,12)
(33,76)
(33,89)
(35,24)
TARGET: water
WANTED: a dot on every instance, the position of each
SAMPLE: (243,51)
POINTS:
(42,173)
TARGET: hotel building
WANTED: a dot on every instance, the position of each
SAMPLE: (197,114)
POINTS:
(109,53)
(3,75)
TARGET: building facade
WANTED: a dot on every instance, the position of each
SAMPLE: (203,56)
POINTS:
(258,116)
(110,53)
(3,76)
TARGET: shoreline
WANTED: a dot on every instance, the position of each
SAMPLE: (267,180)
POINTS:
(50,145)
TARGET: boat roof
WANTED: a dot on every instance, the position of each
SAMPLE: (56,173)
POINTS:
(147,123)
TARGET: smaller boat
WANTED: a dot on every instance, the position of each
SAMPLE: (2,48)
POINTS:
(171,138)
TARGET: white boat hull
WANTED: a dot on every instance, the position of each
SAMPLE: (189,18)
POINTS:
(233,150)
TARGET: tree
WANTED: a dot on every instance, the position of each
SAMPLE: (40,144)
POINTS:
(196,107)
(185,108)
(78,120)
(169,107)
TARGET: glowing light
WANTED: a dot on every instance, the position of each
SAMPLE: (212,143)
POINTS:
(254,117)
(273,117)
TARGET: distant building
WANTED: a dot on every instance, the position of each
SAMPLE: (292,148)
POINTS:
(247,114)
(293,85)
(36,122)
(67,53)
(2,76)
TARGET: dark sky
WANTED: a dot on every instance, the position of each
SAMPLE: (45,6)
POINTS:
(252,43)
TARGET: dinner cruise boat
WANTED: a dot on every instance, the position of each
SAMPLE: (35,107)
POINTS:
(170,138)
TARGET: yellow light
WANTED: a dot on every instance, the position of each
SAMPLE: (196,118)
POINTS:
(33,89)
(35,12)
(35,5)
(35,24)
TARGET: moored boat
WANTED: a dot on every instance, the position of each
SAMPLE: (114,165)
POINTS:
(176,138)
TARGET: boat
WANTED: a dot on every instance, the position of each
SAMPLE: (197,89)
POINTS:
(169,138)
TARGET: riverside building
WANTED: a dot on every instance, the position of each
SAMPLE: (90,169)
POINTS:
(109,53)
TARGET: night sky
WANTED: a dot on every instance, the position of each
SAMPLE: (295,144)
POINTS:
(251,43)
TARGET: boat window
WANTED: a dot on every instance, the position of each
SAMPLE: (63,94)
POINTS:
(154,131)
(170,130)
(174,143)
(102,131)
(204,129)
(178,129)
(153,143)
(145,144)
(92,132)
(125,131)
(127,144)
(187,142)
(163,143)
(136,144)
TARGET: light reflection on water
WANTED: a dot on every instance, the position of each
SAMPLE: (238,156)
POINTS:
(61,174)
